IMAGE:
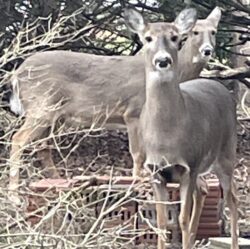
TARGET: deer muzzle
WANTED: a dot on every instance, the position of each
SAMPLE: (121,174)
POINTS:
(206,50)
(162,61)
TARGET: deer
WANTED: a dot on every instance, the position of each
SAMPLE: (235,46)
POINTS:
(196,50)
(187,129)
(54,84)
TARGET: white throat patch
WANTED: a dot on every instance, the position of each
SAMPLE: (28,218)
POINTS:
(156,76)
(195,59)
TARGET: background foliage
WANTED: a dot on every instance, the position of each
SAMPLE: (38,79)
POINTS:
(108,35)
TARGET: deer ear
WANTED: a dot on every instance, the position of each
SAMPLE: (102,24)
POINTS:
(134,21)
(186,20)
(215,16)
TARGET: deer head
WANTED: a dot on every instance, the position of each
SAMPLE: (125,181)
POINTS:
(201,41)
(161,40)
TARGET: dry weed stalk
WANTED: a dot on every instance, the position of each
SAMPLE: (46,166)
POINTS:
(67,219)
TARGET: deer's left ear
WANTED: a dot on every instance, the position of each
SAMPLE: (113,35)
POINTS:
(134,21)
(186,20)
(215,16)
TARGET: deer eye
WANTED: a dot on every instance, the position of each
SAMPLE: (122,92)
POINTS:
(174,38)
(196,32)
(213,32)
(148,38)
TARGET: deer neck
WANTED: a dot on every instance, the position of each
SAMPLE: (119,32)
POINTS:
(163,118)
(163,96)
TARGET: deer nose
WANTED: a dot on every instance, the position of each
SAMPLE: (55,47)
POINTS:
(206,50)
(162,61)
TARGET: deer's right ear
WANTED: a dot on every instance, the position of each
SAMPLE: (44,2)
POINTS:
(134,21)
(186,20)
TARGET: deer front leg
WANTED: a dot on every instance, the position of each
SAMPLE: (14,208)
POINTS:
(199,197)
(161,197)
(27,133)
(232,202)
(186,190)
(135,147)
(45,157)
(224,171)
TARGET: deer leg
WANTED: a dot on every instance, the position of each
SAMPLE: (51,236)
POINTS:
(229,189)
(161,197)
(224,171)
(45,157)
(199,197)
(186,190)
(134,145)
(21,138)
(232,203)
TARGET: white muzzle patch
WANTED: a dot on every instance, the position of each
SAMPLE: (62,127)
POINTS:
(206,50)
(162,60)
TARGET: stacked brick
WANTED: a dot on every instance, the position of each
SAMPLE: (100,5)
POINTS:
(139,217)
(147,218)
(210,220)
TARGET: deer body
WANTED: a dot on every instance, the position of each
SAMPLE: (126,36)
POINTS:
(190,138)
(200,135)
(183,106)
(71,83)
(186,128)
(61,84)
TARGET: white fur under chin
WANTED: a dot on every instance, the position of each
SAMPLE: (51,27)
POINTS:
(197,59)
(160,75)
(15,102)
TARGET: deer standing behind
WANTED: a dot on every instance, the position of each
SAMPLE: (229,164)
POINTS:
(187,128)
(90,88)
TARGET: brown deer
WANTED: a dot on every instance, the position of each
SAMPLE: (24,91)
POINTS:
(55,84)
(187,129)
